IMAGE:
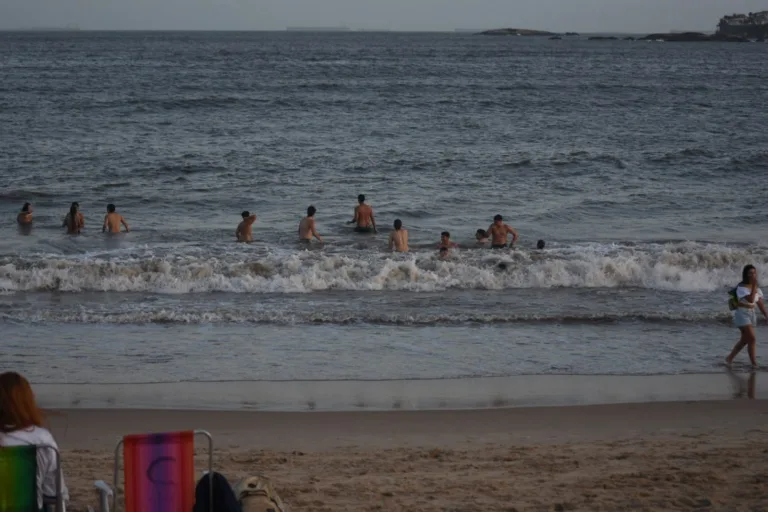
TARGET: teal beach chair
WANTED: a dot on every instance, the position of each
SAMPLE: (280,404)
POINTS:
(18,480)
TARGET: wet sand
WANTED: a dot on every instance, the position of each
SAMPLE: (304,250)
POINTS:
(414,394)
(662,456)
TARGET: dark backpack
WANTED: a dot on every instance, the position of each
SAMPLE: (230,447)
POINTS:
(224,499)
(733,300)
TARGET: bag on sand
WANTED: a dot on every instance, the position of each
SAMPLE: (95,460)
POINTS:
(733,300)
(224,499)
(256,494)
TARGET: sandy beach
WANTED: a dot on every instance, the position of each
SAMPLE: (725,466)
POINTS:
(652,456)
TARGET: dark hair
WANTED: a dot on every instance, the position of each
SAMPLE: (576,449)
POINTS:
(745,273)
(361,198)
(111,208)
(398,223)
(540,244)
(75,204)
(246,214)
(482,233)
(311,211)
(445,234)
(25,208)
(73,216)
(443,249)
(497,217)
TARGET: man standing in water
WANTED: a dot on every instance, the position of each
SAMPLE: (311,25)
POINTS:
(244,232)
(499,231)
(112,221)
(25,215)
(398,239)
(365,223)
(307,227)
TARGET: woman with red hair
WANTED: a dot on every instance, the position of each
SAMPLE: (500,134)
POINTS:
(21,423)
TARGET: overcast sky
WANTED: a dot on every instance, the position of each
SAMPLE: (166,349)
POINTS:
(555,15)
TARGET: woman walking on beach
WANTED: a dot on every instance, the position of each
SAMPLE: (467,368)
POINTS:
(749,296)
(21,423)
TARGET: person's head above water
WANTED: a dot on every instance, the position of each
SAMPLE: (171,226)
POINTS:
(480,234)
(110,208)
(443,250)
(311,211)
(498,218)
(25,208)
(246,214)
(398,224)
(747,273)
(445,234)
(540,244)
(361,198)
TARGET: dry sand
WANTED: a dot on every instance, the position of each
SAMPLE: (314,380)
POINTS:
(661,456)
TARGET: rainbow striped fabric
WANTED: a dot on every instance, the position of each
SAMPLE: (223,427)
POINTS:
(18,479)
(159,472)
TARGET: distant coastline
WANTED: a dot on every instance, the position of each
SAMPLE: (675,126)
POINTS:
(317,29)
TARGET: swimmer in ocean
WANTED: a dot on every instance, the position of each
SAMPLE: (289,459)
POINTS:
(364,220)
(307,227)
(445,241)
(398,238)
(113,220)
(74,221)
(244,231)
(481,236)
(25,215)
(499,233)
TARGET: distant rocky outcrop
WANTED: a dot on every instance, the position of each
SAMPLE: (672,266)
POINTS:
(516,32)
(693,37)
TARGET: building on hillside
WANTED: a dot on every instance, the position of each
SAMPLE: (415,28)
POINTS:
(753,25)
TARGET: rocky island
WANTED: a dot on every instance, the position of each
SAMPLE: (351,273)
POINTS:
(516,32)
(733,28)
(737,28)
(694,37)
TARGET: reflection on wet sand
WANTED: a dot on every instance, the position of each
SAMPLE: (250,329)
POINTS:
(743,387)
(425,394)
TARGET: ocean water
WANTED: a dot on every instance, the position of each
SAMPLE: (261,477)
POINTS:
(642,165)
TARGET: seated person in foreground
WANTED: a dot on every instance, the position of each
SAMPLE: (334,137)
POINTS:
(21,423)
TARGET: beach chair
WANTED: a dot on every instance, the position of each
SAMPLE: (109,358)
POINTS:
(159,472)
(18,480)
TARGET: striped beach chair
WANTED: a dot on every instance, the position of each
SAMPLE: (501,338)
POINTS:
(18,480)
(159,473)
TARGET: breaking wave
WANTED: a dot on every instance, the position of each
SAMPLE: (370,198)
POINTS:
(171,316)
(683,267)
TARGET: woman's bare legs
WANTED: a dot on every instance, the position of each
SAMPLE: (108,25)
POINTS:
(747,339)
(737,347)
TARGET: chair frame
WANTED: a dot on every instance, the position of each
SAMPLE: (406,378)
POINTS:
(204,433)
(59,503)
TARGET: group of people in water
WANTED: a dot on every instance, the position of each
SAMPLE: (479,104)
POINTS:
(74,220)
(496,236)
